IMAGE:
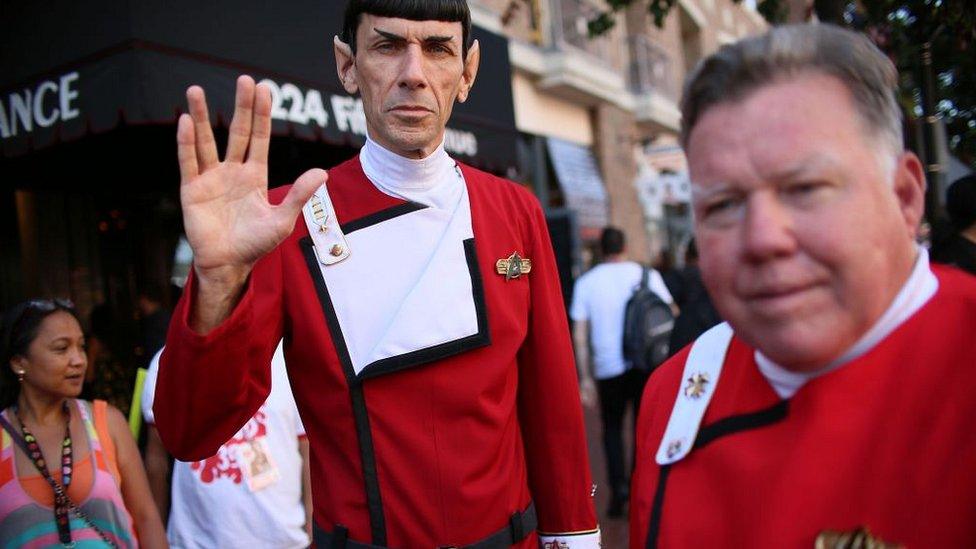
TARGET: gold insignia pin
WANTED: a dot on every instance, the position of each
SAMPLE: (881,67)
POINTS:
(857,539)
(696,386)
(513,266)
(673,448)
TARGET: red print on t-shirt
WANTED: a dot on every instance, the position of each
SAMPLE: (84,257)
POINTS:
(224,462)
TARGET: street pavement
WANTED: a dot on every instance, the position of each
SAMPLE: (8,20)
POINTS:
(614,530)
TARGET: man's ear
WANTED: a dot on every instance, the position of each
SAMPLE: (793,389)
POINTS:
(345,65)
(470,71)
(909,187)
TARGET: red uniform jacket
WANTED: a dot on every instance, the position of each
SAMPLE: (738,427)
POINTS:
(437,447)
(886,443)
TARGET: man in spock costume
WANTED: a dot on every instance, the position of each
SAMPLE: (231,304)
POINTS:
(424,328)
(835,408)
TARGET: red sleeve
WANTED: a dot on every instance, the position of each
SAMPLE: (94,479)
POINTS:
(210,385)
(549,407)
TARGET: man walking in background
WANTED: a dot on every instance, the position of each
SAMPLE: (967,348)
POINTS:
(599,301)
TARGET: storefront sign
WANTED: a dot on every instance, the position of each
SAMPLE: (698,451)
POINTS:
(87,73)
(290,103)
(579,178)
(41,106)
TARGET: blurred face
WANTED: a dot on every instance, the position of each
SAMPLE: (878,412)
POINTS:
(409,74)
(55,361)
(804,237)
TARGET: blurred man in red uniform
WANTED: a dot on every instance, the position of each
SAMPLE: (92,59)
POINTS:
(425,334)
(836,406)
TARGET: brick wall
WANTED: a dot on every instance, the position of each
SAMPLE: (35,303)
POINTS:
(614,150)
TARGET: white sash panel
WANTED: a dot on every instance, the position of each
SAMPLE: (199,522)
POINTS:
(406,285)
(705,360)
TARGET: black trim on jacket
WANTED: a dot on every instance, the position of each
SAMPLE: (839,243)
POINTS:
(374,501)
(381,216)
(708,434)
(389,365)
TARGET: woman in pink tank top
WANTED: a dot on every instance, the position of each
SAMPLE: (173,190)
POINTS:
(70,471)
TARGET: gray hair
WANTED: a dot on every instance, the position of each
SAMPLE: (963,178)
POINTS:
(736,70)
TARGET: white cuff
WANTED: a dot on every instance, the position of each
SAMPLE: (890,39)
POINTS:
(571,540)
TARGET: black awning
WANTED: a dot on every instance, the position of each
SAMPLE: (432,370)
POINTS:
(76,68)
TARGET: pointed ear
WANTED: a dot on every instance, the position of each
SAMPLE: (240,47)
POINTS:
(909,187)
(345,65)
(470,71)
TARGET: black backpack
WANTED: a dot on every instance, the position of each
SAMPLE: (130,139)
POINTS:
(648,322)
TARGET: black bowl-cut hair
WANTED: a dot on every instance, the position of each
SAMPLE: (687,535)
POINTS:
(415,10)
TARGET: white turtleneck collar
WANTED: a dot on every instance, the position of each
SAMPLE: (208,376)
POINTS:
(916,292)
(399,176)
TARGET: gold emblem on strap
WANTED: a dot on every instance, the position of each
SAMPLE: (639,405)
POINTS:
(696,385)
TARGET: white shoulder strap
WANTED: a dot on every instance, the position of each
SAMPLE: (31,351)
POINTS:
(698,383)
(323,226)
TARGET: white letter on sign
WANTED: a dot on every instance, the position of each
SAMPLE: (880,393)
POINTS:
(44,121)
(67,95)
(293,95)
(314,109)
(277,112)
(20,108)
(349,114)
(4,127)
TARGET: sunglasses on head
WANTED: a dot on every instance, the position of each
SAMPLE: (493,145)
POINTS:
(18,314)
(46,305)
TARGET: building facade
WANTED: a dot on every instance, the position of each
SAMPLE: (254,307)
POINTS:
(615,99)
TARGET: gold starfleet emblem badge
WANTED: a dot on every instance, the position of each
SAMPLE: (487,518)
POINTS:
(857,539)
(513,266)
(696,386)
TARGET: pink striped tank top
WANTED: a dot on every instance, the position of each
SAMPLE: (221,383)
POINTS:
(28,523)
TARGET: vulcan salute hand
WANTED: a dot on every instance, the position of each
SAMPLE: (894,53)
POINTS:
(229,222)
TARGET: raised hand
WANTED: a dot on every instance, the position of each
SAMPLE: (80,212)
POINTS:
(229,222)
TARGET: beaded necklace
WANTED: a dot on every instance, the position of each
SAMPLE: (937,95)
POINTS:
(61,503)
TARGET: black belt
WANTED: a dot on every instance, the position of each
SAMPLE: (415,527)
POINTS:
(519,526)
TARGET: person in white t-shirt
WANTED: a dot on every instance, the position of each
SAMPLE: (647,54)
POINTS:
(254,492)
(599,300)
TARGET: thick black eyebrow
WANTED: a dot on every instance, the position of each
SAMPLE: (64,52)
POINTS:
(398,38)
(389,35)
(438,39)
